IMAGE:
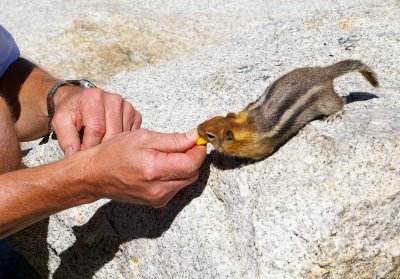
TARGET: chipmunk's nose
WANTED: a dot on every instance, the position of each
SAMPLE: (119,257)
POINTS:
(210,136)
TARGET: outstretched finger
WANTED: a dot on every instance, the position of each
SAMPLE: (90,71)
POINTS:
(172,143)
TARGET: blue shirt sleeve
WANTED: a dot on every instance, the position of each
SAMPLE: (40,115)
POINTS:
(9,51)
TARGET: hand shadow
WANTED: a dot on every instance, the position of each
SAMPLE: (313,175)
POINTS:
(115,223)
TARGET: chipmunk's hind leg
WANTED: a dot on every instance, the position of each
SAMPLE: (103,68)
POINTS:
(330,104)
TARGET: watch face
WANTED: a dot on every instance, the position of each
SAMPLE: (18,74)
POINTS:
(86,83)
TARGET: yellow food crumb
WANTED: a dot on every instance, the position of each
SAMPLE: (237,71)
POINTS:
(135,260)
(344,25)
(201,141)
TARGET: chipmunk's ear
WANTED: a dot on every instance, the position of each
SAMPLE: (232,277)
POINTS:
(231,115)
(228,135)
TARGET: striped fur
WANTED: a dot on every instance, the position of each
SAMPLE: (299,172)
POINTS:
(289,115)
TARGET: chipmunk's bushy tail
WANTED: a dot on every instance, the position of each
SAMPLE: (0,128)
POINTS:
(347,66)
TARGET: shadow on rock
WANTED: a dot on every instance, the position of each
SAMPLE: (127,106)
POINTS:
(358,96)
(115,223)
(225,162)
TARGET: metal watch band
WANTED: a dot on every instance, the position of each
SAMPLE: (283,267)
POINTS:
(51,109)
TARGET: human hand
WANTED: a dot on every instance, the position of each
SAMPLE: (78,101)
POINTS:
(99,114)
(143,167)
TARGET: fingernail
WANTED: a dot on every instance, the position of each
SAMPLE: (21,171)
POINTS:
(192,134)
(69,151)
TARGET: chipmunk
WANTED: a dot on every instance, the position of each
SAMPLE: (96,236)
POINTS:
(286,106)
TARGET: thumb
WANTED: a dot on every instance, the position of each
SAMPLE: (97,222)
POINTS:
(173,143)
(67,134)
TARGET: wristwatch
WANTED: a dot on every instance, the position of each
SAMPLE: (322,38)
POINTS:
(51,109)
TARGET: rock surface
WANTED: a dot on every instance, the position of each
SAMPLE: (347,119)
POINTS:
(95,40)
(325,205)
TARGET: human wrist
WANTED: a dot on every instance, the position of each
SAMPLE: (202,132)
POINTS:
(62,93)
(61,90)
(74,174)
(93,176)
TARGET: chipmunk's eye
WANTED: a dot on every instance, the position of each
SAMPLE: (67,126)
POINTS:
(229,135)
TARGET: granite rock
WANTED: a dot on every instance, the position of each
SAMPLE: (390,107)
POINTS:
(95,40)
(325,205)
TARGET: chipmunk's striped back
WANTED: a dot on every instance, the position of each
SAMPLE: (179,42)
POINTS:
(300,96)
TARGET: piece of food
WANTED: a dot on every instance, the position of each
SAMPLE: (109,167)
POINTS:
(201,141)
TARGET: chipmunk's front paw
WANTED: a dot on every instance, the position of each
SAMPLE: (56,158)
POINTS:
(333,117)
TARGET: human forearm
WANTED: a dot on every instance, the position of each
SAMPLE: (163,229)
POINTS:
(25,86)
(29,195)
(141,167)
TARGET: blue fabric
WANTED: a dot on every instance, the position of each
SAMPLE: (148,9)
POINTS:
(9,51)
(13,265)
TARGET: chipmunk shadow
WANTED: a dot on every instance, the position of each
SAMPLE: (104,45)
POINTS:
(226,162)
(115,223)
(358,96)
